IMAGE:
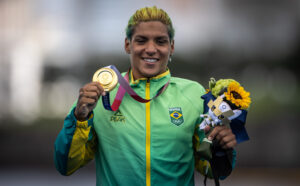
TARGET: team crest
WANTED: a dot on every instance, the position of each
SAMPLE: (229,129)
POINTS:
(176,115)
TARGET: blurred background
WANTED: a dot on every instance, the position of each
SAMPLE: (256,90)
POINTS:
(49,49)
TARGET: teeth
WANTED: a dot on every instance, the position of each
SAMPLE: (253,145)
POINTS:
(150,60)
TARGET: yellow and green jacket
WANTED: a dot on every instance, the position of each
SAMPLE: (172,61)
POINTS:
(142,143)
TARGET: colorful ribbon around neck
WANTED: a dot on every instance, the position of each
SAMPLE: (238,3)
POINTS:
(125,87)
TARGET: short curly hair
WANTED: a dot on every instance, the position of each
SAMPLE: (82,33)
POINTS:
(149,14)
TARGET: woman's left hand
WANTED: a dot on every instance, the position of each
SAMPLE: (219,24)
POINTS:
(223,135)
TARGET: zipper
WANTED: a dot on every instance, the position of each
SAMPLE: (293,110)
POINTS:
(148,135)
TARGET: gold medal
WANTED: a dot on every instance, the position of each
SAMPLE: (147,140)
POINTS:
(107,78)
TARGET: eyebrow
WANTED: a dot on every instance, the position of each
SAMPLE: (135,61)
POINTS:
(140,36)
(158,37)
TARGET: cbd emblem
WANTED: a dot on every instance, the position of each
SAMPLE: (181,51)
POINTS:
(176,115)
(118,117)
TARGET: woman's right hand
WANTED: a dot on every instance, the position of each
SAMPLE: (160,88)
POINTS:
(87,100)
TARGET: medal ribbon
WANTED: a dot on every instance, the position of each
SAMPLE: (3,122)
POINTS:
(125,87)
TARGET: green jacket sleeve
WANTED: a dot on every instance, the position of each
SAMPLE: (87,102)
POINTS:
(75,145)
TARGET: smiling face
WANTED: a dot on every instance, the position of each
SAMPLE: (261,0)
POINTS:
(149,48)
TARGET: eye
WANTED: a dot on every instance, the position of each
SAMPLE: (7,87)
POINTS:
(140,40)
(162,41)
(221,117)
(224,107)
(213,108)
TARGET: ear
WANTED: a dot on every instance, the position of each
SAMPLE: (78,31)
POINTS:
(127,46)
(172,47)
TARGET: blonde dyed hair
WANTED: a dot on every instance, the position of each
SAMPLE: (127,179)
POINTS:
(149,14)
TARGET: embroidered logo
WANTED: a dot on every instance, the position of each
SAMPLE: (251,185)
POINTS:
(176,115)
(118,117)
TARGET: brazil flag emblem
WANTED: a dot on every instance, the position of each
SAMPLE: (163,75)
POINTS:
(176,115)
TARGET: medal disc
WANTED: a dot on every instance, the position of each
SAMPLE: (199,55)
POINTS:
(107,78)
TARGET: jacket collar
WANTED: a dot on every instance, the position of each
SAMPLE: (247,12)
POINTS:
(164,75)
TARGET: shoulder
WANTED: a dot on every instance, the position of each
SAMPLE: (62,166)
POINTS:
(187,85)
(189,90)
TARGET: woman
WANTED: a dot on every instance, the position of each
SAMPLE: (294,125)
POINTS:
(153,142)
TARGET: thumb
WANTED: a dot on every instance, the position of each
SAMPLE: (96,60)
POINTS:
(84,110)
(207,128)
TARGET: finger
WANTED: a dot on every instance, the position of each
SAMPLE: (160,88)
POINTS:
(229,145)
(224,131)
(88,101)
(214,133)
(227,139)
(81,112)
(81,91)
(207,128)
(87,97)
(92,88)
(84,110)
(92,95)
(91,84)
(99,88)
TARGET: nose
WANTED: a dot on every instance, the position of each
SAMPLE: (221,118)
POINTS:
(150,48)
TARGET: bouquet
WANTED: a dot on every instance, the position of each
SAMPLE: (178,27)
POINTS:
(226,103)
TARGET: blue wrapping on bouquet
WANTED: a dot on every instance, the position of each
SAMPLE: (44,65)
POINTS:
(237,125)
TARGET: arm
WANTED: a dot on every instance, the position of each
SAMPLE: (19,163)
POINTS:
(76,143)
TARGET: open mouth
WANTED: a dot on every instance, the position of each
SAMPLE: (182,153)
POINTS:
(150,60)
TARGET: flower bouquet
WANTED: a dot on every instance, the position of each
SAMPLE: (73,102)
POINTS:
(226,103)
